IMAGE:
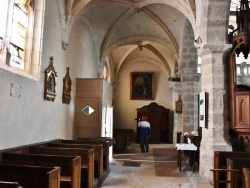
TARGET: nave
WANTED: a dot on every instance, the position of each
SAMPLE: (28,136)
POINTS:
(155,169)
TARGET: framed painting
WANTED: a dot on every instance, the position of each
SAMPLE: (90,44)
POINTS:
(141,85)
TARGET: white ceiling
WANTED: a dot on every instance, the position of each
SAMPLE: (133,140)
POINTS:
(118,27)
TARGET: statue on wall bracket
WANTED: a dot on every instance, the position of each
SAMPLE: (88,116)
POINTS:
(50,82)
(66,97)
(178,105)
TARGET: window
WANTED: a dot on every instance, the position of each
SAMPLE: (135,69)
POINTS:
(17,52)
(18,35)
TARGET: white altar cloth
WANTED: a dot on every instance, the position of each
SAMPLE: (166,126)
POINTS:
(184,146)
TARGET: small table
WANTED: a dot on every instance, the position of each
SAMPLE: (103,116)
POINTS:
(185,147)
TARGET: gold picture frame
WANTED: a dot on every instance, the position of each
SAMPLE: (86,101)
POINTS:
(142,86)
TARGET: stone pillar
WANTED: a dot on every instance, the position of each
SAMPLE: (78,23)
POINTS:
(215,136)
(189,78)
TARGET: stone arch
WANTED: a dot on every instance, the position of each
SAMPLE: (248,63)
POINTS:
(136,40)
(217,24)
(164,63)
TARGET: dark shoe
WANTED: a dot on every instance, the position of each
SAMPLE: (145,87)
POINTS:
(143,151)
(147,150)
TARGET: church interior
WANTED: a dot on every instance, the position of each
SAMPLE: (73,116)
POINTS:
(77,76)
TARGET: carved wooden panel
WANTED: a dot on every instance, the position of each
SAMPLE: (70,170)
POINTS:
(66,88)
(242,111)
(50,82)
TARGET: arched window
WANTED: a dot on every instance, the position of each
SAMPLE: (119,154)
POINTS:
(19,49)
(18,35)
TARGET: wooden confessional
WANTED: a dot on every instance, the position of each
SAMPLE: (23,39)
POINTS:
(161,122)
(239,93)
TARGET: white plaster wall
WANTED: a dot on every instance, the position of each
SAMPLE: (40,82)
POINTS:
(125,109)
(29,119)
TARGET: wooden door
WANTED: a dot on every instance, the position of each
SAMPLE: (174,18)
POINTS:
(95,94)
(87,125)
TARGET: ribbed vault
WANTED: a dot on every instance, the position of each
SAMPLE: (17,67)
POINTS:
(119,27)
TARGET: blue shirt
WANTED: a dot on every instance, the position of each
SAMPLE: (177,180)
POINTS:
(144,127)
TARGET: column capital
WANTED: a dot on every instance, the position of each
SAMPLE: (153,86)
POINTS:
(213,48)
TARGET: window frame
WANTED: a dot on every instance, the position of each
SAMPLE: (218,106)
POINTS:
(33,40)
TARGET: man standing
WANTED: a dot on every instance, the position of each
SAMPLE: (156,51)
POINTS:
(145,132)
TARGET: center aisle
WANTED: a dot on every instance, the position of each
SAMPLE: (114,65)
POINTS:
(155,169)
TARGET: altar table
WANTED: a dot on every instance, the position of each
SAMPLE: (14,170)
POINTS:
(185,147)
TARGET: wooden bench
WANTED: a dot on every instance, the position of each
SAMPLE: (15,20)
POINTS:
(70,165)
(246,172)
(87,160)
(31,176)
(239,164)
(5,184)
(111,141)
(94,142)
(219,182)
(220,166)
(220,157)
(98,155)
(108,140)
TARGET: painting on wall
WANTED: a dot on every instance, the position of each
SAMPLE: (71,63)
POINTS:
(141,85)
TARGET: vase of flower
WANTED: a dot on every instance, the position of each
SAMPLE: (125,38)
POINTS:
(189,136)
(189,141)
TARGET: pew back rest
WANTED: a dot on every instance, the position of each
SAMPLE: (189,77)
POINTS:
(238,163)
(4,184)
(31,176)
(220,157)
(109,140)
(89,142)
(98,149)
(87,155)
(94,142)
(98,154)
(66,163)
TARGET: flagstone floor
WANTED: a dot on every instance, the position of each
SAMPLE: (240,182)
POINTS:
(155,169)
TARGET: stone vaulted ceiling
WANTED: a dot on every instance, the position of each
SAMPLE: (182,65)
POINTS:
(132,29)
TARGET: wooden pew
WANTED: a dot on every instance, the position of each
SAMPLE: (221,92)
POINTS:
(87,160)
(107,141)
(93,142)
(239,164)
(220,165)
(98,155)
(219,182)
(5,184)
(31,176)
(246,172)
(111,141)
(220,157)
(70,165)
